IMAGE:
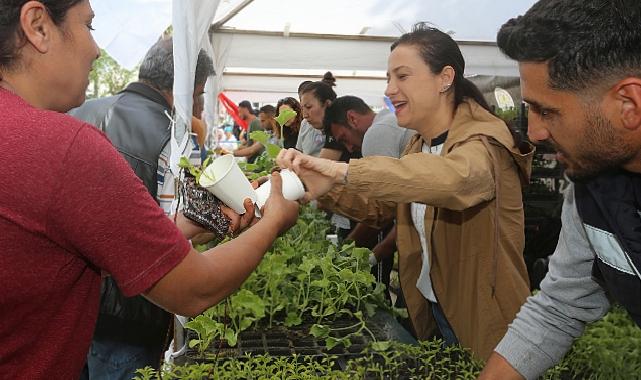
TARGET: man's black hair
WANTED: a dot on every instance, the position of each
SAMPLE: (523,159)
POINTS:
(336,113)
(585,43)
(268,109)
(247,105)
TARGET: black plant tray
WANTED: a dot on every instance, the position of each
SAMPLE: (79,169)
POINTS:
(284,341)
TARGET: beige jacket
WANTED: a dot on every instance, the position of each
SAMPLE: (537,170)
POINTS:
(475,243)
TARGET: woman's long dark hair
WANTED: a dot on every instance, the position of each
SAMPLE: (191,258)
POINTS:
(438,50)
(12,37)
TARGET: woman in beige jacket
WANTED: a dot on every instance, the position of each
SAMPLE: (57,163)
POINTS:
(456,194)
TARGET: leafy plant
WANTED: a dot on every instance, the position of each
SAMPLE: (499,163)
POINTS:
(324,332)
(195,171)
(245,308)
(207,330)
(302,278)
(264,163)
(427,360)
(263,137)
(608,349)
(385,360)
(252,367)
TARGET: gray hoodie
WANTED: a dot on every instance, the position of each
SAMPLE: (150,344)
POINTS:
(547,324)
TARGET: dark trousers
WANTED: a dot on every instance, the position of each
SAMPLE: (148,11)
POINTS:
(444,328)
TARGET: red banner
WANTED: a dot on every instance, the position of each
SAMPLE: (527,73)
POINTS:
(232,109)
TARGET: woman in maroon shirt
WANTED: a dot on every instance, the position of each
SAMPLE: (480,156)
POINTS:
(71,208)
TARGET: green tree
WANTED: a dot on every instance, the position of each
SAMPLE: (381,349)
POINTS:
(108,77)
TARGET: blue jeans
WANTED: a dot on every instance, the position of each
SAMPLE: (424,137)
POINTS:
(111,360)
(447,333)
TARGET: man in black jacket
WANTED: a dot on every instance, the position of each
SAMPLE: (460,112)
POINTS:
(131,332)
(580,66)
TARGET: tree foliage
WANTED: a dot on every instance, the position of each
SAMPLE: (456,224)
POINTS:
(108,77)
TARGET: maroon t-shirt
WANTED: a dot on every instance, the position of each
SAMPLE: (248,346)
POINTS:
(70,206)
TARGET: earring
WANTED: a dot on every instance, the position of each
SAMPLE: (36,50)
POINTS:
(446,87)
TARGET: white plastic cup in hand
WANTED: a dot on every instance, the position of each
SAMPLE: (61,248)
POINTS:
(226,181)
(293,188)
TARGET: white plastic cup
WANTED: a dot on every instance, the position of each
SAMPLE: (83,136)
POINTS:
(293,188)
(229,184)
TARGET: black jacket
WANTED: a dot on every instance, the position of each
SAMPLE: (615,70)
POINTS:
(135,122)
(609,207)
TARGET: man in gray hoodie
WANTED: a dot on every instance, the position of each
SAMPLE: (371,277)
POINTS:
(580,66)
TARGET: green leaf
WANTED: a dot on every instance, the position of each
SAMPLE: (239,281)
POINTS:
(346,275)
(308,264)
(231,337)
(194,342)
(322,283)
(245,323)
(248,167)
(260,136)
(293,319)
(329,310)
(184,163)
(381,346)
(207,161)
(361,253)
(332,342)
(247,300)
(319,331)
(370,309)
(272,150)
(284,116)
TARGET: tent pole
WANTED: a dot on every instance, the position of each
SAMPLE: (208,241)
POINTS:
(232,14)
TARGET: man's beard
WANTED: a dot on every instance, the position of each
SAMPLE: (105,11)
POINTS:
(601,149)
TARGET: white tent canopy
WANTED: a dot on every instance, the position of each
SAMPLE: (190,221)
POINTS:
(476,20)
(264,48)
(254,62)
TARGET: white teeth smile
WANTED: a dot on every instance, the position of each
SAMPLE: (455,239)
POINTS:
(399,104)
